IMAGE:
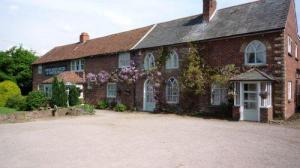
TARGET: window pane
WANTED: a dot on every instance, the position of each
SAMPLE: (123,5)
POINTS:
(251,58)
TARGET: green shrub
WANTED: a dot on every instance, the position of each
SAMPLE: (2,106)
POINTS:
(59,95)
(88,108)
(120,108)
(8,89)
(103,104)
(74,96)
(36,100)
(17,102)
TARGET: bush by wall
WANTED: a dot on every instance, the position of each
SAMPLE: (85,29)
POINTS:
(59,95)
(74,96)
(8,89)
(36,100)
(120,108)
(103,104)
(18,102)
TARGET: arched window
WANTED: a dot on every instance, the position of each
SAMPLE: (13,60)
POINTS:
(172,91)
(149,61)
(172,62)
(255,53)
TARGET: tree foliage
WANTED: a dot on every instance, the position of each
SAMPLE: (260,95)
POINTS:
(36,100)
(59,95)
(15,65)
(8,89)
(74,96)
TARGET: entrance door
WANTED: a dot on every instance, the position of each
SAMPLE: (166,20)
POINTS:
(250,112)
(149,101)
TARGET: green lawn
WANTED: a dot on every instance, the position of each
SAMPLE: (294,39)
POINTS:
(5,110)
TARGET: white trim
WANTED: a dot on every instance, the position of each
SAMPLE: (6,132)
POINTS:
(144,37)
(166,90)
(213,14)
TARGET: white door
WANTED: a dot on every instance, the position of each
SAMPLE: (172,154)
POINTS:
(149,100)
(250,104)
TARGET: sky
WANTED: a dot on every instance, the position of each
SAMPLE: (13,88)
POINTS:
(40,25)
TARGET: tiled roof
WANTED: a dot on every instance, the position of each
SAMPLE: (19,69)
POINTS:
(258,16)
(67,76)
(253,75)
(109,44)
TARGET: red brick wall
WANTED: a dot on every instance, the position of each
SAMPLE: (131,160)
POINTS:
(291,63)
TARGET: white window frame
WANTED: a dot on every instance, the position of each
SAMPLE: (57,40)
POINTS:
(149,61)
(124,60)
(296,51)
(237,94)
(111,90)
(173,60)
(171,90)
(264,51)
(268,101)
(80,87)
(290,89)
(40,69)
(222,94)
(77,65)
(290,41)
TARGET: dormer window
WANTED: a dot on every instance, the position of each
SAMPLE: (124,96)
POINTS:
(255,53)
(77,65)
(124,60)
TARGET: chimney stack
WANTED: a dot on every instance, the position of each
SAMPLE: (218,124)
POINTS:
(209,8)
(84,37)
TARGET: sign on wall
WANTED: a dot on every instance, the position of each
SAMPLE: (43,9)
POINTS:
(54,71)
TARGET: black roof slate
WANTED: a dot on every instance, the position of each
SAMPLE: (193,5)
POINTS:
(263,15)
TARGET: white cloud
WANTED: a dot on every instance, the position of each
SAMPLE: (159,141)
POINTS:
(13,7)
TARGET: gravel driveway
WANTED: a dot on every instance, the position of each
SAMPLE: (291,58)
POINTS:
(141,140)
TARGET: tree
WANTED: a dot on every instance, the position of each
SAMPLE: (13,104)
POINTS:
(73,96)
(59,95)
(15,65)
(8,89)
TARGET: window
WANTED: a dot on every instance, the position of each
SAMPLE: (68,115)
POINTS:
(172,91)
(237,92)
(77,65)
(111,90)
(266,88)
(172,62)
(289,90)
(149,61)
(80,88)
(218,95)
(48,90)
(290,45)
(296,51)
(124,60)
(40,69)
(255,53)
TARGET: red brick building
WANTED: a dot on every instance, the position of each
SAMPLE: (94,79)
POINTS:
(260,38)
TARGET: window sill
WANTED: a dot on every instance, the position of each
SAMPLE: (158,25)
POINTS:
(172,103)
(255,65)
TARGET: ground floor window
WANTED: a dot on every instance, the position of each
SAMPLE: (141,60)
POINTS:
(218,95)
(237,94)
(172,91)
(111,90)
(47,89)
(266,92)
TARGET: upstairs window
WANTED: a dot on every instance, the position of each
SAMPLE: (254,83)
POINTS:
(290,41)
(149,61)
(77,65)
(172,91)
(111,90)
(124,60)
(255,53)
(172,62)
(218,95)
(40,69)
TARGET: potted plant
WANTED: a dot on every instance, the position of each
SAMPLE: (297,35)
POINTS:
(263,94)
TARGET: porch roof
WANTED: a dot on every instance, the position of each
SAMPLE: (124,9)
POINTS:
(253,75)
(67,77)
